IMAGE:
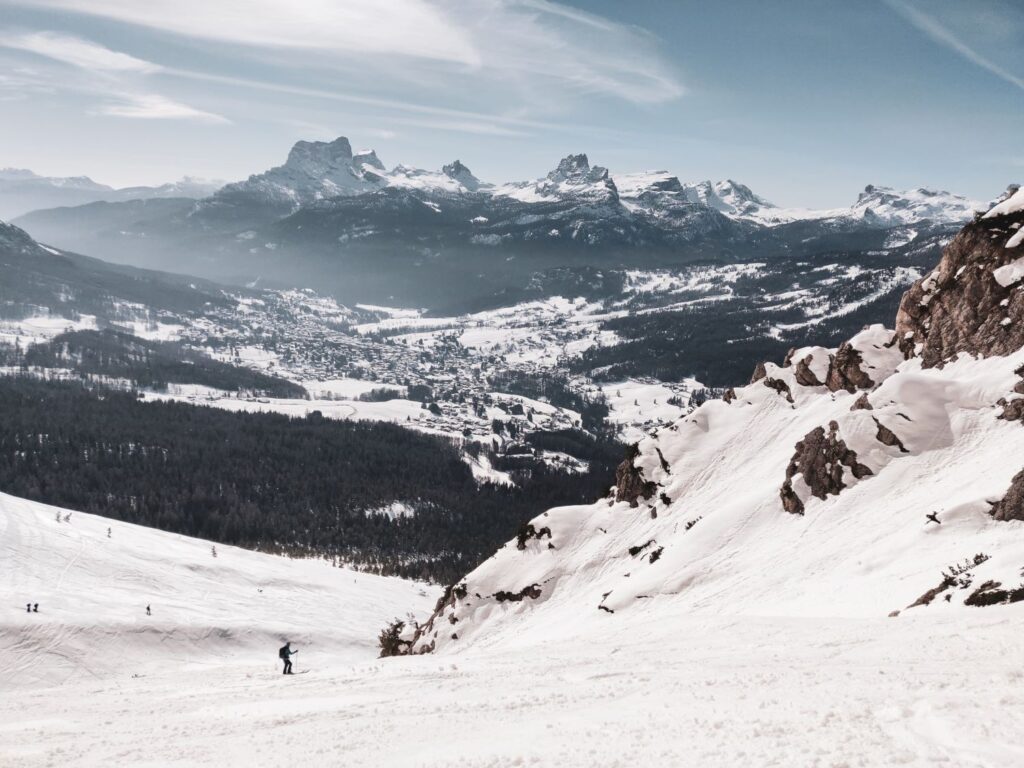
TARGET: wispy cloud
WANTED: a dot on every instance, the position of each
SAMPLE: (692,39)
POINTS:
(408,27)
(944,36)
(154,107)
(115,79)
(533,46)
(75,51)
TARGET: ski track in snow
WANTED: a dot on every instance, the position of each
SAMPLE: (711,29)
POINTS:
(92,681)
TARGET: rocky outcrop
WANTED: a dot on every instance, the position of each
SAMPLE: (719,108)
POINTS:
(760,371)
(1013,410)
(630,484)
(971,301)
(1011,506)
(819,460)
(532,591)
(779,386)
(887,437)
(845,370)
(529,531)
(862,403)
(804,375)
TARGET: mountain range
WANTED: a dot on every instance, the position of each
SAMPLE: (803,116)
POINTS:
(339,219)
(22,191)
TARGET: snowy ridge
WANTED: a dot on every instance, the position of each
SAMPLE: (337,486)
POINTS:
(804,493)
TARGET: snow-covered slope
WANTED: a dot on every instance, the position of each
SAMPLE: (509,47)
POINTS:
(805,493)
(93,578)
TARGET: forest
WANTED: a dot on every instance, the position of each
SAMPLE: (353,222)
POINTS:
(300,487)
(148,364)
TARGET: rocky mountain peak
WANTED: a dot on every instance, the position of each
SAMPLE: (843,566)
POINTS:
(576,169)
(311,155)
(460,173)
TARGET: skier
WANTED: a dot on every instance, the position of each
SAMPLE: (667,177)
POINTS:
(148,613)
(285,655)
(35,607)
(933,518)
(28,607)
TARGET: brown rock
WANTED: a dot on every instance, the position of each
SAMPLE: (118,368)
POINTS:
(887,437)
(1013,410)
(759,373)
(845,371)
(820,458)
(862,403)
(958,307)
(804,375)
(630,484)
(779,386)
(1011,506)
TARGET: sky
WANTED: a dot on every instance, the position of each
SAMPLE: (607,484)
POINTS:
(805,101)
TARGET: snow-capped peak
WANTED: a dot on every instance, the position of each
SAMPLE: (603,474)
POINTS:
(889,207)
(314,170)
(576,169)
(460,173)
(574,178)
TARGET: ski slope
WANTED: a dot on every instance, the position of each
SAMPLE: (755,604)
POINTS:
(232,609)
(92,681)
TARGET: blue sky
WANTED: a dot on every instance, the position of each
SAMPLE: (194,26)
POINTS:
(806,101)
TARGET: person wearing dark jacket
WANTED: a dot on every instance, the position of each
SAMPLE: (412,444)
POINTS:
(285,654)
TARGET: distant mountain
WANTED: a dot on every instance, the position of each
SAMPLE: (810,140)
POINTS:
(341,220)
(879,207)
(22,191)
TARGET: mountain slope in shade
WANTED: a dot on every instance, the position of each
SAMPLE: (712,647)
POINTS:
(807,492)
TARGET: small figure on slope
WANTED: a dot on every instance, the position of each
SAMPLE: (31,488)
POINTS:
(148,612)
(285,655)
(933,517)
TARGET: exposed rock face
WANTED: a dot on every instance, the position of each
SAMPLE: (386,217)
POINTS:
(759,373)
(845,372)
(970,302)
(630,484)
(532,592)
(819,459)
(779,386)
(887,437)
(862,403)
(1011,507)
(1013,410)
(804,375)
(529,531)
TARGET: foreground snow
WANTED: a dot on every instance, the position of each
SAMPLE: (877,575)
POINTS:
(92,681)
(712,692)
